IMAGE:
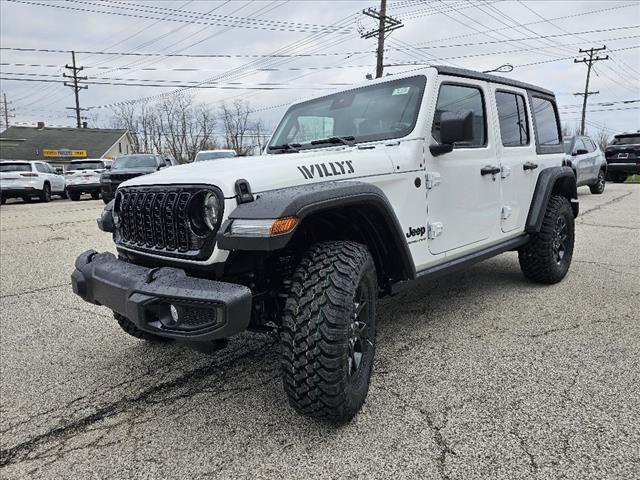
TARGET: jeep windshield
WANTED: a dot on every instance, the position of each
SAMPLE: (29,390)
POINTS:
(377,112)
(134,161)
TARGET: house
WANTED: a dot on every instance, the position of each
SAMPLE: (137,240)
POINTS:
(59,145)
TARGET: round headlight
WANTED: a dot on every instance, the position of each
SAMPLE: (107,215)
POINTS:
(210,211)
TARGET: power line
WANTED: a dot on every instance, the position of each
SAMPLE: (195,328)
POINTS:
(239,22)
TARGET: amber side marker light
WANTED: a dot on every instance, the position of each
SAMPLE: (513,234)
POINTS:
(283,225)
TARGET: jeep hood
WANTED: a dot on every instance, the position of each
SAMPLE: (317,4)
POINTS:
(269,172)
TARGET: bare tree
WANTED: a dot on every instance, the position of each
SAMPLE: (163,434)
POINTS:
(602,138)
(174,126)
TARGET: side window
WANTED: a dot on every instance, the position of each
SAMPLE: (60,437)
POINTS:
(590,145)
(546,121)
(512,115)
(462,98)
(41,168)
(580,145)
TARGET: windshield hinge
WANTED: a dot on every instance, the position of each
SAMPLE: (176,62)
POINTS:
(434,229)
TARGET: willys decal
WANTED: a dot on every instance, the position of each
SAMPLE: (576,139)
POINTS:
(328,169)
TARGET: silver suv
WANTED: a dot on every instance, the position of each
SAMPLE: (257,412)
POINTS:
(587,161)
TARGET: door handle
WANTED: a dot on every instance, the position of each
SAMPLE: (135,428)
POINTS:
(490,170)
(529,166)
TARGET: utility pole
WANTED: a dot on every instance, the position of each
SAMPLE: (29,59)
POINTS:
(589,62)
(76,88)
(6,111)
(386,25)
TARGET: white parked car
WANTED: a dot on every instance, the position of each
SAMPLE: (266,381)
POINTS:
(360,194)
(203,155)
(83,176)
(587,161)
(26,180)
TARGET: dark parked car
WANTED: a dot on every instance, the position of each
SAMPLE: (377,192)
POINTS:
(623,156)
(130,166)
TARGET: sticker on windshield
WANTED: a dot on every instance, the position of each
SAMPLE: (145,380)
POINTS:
(401,91)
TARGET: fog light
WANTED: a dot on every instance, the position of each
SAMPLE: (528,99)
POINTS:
(174,313)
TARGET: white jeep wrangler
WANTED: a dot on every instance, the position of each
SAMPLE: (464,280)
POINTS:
(359,193)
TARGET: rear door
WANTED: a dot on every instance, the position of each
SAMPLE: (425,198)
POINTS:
(463,210)
(517,155)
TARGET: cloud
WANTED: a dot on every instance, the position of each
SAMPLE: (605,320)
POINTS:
(431,27)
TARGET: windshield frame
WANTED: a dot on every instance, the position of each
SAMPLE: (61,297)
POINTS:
(114,165)
(420,80)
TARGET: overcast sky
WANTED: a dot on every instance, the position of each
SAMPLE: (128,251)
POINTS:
(479,34)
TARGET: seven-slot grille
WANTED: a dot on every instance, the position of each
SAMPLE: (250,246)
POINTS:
(158,221)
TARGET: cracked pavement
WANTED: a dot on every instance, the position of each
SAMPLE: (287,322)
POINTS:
(479,375)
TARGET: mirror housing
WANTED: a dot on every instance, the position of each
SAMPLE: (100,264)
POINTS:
(580,151)
(107,166)
(454,127)
(59,170)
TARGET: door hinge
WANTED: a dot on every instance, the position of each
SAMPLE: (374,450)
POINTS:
(434,229)
(506,212)
(505,171)
(432,179)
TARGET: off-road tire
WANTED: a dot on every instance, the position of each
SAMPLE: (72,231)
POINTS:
(598,187)
(74,196)
(331,284)
(95,195)
(45,195)
(539,259)
(129,327)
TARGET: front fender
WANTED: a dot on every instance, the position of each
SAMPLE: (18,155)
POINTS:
(305,200)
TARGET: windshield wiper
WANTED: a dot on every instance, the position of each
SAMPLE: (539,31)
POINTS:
(349,140)
(285,148)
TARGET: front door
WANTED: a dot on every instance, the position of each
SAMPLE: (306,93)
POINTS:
(463,209)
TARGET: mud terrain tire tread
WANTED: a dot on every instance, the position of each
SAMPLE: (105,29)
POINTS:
(314,336)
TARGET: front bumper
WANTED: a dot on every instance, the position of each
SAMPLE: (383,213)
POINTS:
(206,309)
(84,187)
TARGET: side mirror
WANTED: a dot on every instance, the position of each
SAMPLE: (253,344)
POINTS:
(581,151)
(454,127)
(107,166)
(59,171)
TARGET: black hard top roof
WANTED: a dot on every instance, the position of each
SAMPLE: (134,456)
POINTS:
(462,72)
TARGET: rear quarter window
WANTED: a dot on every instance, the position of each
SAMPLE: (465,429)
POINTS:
(545,119)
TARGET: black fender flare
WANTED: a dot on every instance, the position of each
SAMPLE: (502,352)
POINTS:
(305,200)
(552,180)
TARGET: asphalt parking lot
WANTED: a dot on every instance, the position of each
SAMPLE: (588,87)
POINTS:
(481,375)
